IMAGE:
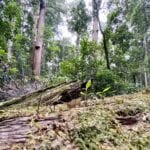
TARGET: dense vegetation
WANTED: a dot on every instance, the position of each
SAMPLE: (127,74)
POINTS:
(123,49)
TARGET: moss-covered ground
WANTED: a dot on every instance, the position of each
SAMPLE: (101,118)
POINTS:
(114,123)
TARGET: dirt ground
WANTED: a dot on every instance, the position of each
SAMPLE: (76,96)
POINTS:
(119,122)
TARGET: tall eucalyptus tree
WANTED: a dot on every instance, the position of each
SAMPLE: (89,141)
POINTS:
(96,4)
(38,39)
(48,16)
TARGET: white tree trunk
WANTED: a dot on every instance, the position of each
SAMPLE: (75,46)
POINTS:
(78,44)
(9,50)
(95,30)
(95,12)
(146,63)
(145,78)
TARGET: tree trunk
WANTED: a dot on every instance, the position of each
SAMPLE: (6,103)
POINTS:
(78,44)
(61,93)
(106,51)
(104,44)
(95,30)
(9,50)
(10,41)
(38,42)
(96,8)
(146,62)
(95,22)
(145,78)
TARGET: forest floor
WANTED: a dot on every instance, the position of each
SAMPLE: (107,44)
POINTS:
(114,123)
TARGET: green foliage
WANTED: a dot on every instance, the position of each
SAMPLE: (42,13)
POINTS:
(70,68)
(53,50)
(3,55)
(7,69)
(54,12)
(12,11)
(86,138)
(106,89)
(84,66)
(13,71)
(87,86)
(122,37)
(128,31)
(104,79)
(10,20)
(112,17)
(103,93)
(88,60)
(21,51)
(111,84)
(128,87)
(79,18)
(138,16)
(95,129)
(99,128)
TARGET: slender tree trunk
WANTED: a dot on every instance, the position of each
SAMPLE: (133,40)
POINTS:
(104,44)
(134,78)
(96,7)
(38,43)
(146,62)
(9,49)
(95,22)
(145,78)
(95,30)
(78,44)
(10,41)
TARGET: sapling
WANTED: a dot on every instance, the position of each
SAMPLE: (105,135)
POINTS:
(103,93)
(85,93)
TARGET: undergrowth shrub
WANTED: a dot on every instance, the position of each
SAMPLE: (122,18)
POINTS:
(107,78)
(85,65)
(86,138)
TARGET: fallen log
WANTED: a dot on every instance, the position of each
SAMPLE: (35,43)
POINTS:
(4,95)
(52,95)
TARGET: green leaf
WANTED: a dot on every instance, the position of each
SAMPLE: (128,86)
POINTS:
(88,85)
(82,93)
(99,94)
(13,70)
(106,89)
(2,52)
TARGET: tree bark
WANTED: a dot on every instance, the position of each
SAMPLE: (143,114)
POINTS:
(146,62)
(95,30)
(95,22)
(38,42)
(78,44)
(9,50)
(96,8)
(10,41)
(104,44)
(49,96)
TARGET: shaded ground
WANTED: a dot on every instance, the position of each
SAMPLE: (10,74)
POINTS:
(17,130)
(13,89)
(119,122)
